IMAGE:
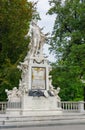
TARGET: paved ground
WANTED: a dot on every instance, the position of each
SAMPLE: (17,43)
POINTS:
(62,127)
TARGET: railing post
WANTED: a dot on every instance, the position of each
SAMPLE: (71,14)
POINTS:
(81,106)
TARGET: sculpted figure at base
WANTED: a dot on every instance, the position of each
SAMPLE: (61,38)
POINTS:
(22,83)
(57,92)
(54,92)
(23,87)
(13,95)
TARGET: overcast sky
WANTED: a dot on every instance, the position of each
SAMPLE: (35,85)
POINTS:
(46,21)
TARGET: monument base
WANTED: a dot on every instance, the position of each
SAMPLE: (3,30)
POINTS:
(40,106)
(41,112)
(37,106)
(37,112)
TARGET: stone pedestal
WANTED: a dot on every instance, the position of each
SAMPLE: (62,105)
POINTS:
(40,106)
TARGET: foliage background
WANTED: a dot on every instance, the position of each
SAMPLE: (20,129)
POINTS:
(15,17)
(68,43)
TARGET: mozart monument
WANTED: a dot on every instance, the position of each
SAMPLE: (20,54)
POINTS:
(35,95)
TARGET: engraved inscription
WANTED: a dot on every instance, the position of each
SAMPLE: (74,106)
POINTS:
(38,78)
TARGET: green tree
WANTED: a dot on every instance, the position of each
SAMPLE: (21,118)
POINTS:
(65,78)
(68,41)
(15,17)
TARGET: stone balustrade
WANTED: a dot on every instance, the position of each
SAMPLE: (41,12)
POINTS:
(67,106)
(14,105)
(73,106)
(3,106)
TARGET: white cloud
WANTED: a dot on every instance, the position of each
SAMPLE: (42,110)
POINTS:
(43,5)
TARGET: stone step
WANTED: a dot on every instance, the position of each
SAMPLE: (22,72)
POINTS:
(41,123)
(6,122)
(65,115)
(41,118)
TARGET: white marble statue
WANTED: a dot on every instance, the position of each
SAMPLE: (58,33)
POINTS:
(34,33)
(37,39)
(35,95)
